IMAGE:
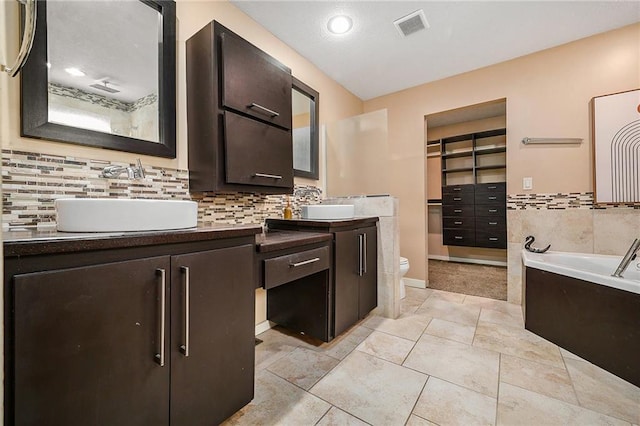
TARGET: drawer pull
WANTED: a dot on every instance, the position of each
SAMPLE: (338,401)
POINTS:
(457,211)
(458,237)
(304,262)
(271,112)
(492,187)
(185,348)
(457,199)
(493,223)
(457,223)
(493,239)
(493,210)
(163,315)
(457,189)
(266,175)
(493,198)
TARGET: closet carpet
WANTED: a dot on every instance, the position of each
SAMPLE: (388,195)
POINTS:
(467,278)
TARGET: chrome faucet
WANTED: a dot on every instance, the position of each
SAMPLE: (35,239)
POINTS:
(626,260)
(115,171)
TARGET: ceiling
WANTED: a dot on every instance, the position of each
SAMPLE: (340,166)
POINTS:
(374,59)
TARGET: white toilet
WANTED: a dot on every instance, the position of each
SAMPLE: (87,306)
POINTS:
(404,268)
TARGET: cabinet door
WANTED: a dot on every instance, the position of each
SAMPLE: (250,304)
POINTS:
(212,335)
(347,290)
(256,153)
(86,341)
(254,83)
(369,271)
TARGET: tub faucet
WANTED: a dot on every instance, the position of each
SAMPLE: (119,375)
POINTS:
(115,171)
(626,260)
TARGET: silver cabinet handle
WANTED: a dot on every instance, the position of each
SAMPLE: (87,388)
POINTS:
(491,187)
(457,189)
(493,223)
(364,254)
(493,211)
(457,211)
(163,315)
(457,199)
(457,223)
(185,348)
(360,255)
(27,38)
(458,237)
(493,239)
(304,262)
(493,198)
(266,175)
(271,112)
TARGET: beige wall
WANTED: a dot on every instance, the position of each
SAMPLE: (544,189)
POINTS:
(547,94)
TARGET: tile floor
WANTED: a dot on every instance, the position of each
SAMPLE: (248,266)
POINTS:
(450,359)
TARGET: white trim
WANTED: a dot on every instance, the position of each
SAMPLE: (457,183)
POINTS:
(263,326)
(412,282)
(467,260)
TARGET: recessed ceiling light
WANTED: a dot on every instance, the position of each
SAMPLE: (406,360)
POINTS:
(340,24)
(75,72)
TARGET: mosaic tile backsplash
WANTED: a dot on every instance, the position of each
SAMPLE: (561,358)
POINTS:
(31,182)
(558,201)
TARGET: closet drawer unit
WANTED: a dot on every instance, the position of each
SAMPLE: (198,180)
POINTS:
(253,82)
(489,210)
(492,224)
(493,198)
(498,187)
(458,222)
(491,238)
(284,269)
(458,237)
(251,149)
(457,189)
(458,211)
(458,199)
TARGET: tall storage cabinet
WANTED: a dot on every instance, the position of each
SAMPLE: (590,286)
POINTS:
(238,115)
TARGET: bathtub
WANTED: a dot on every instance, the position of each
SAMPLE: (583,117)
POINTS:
(572,300)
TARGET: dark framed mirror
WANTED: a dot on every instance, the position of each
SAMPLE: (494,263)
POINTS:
(305,130)
(103,74)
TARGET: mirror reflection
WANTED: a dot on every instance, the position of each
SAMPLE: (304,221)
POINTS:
(98,79)
(305,130)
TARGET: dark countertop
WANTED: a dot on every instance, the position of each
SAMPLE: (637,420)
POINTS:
(281,240)
(26,242)
(322,225)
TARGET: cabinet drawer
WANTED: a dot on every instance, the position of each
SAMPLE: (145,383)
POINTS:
(498,199)
(458,211)
(491,238)
(458,199)
(283,269)
(457,189)
(458,222)
(458,237)
(257,153)
(253,82)
(497,223)
(498,187)
(488,210)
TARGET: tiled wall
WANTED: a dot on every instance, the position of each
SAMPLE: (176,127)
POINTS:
(569,222)
(31,182)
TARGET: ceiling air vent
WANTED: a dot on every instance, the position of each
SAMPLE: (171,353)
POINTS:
(411,23)
(104,86)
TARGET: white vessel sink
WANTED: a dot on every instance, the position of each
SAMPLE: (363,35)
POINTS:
(124,215)
(328,211)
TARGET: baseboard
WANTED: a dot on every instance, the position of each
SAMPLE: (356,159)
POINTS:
(263,326)
(467,260)
(412,282)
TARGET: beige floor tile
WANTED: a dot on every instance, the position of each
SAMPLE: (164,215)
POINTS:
(517,406)
(278,402)
(451,330)
(543,379)
(408,326)
(344,344)
(303,367)
(517,342)
(600,390)
(418,421)
(337,417)
(447,295)
(504,318)
(376,391)
(386,346)
(450,311)
(417,293)
(276,344)
(468,366)
(409,305)
(569,355)
(447,404)
(493,304)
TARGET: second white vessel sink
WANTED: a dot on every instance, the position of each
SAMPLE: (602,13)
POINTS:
(328,211)
(124,215)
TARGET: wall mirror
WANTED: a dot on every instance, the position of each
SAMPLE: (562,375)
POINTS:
(305,107)
(102,73)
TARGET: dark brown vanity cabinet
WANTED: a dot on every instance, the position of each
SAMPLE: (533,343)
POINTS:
(238,115)
(162,340)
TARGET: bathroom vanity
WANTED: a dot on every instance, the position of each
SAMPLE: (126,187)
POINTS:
(129,328)
(354,259)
